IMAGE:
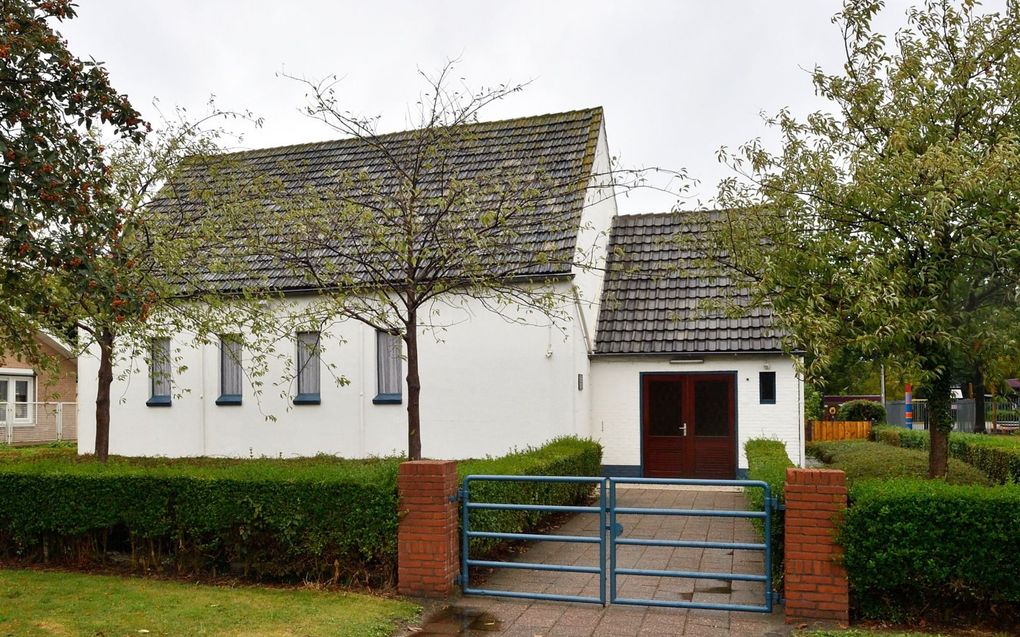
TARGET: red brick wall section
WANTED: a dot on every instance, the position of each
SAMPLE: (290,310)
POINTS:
(428,555)
(815,582)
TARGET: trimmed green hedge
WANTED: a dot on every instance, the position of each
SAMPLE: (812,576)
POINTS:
(918,548)
(998,456)
(323,518)
(767,461)
(561,457)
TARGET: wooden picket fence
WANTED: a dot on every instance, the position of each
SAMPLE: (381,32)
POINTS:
(819,430)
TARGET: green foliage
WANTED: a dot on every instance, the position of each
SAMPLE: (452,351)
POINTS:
(912,546)
(878,228)
(859,410)
(321,518)
(996,455)
(767,461)
(862,460)
(561,457)
(812,402)
(53,179)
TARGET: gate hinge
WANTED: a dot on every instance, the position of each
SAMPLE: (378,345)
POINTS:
(777,505)
(458,579)
(457,497)
(776,597)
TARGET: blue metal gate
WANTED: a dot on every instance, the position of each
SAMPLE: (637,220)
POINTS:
(612,536)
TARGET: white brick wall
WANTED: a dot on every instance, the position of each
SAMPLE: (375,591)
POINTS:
(616,391)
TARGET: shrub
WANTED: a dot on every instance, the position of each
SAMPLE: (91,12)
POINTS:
(862,460)
(324,519)
(914,545)
(767,461)
(997,456)
(561,457)
(860,410)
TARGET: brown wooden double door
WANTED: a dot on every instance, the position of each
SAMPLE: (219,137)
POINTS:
(688,426)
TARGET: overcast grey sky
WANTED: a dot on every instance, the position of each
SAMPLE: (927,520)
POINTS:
(677,79)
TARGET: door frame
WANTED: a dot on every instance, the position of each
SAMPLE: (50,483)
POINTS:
(736,410)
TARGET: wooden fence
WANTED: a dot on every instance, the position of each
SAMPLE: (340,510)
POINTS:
(818,430)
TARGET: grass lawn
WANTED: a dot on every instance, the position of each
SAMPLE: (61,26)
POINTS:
(60,603)
(861,459)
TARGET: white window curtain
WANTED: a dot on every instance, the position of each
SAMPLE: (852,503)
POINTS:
(231,372)
(160,371)
(308,362)
(389,365)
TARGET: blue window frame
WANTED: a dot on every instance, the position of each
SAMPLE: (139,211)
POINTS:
(308,364)
(160,373)
(767,388)
(231,370)
(389,369)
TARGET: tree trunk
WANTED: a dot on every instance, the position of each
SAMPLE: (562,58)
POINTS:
(413,388)
(979,401)
(940,422)
(105,339)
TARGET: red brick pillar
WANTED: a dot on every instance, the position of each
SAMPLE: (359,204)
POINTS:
(815,583)
(428,555)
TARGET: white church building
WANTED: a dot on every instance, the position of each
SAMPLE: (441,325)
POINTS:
(669,389)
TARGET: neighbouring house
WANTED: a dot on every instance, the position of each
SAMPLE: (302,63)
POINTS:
(668,389)
(37,402)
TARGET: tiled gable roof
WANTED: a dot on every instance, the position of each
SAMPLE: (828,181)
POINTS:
(558,148)
(654,297)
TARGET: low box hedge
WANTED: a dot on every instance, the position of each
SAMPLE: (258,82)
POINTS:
(561,457)
(322,518)
(767,461)
(923,548)
(997,456)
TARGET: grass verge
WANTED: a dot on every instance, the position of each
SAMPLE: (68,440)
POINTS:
(862,460)
(60,603)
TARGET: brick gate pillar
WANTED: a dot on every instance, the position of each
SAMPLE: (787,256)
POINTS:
(815,583)
(428,555)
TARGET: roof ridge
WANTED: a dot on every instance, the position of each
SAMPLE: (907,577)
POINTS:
(591,112)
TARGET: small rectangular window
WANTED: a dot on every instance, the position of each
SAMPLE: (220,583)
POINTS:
(389,369)
(231,372)
(16,399)
(160,373)
(767,388)
(308,349)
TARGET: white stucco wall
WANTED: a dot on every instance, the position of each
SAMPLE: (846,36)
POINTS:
(487,387)
(616,408)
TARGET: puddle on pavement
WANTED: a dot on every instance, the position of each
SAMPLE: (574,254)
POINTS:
(464,619)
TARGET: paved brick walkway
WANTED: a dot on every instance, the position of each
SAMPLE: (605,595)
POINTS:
(478,615)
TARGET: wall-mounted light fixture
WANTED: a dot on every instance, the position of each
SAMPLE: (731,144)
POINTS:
(686,361)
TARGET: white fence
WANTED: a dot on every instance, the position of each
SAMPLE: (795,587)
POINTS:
(29,423)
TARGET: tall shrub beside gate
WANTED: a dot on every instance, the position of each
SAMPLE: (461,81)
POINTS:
(767,461)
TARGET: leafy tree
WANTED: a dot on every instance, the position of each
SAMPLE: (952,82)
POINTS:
(888,223)
(138,287)
(53,181)
(418,231)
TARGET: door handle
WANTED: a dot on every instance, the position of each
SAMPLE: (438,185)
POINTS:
(683,429)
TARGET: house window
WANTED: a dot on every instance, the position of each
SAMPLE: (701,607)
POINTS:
(389,369)
(308,348)
(16,393)
(159,373)
(767,388)
(231,372)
